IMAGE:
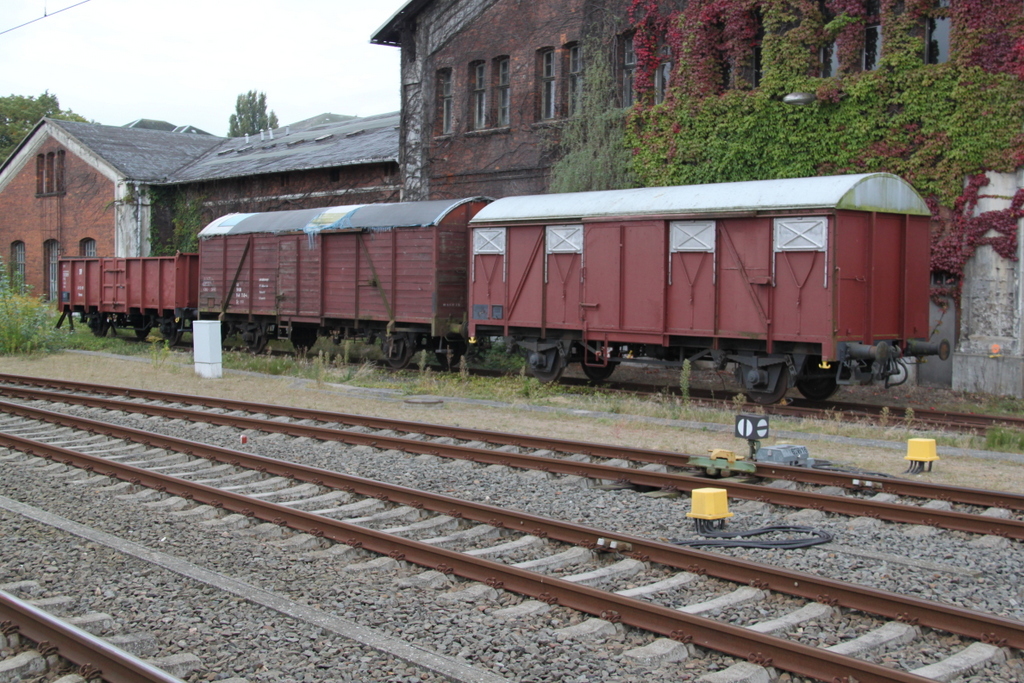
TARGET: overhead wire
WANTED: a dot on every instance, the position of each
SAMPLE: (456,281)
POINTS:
(45,15)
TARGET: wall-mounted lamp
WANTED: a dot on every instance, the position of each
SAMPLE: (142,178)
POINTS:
(799,98)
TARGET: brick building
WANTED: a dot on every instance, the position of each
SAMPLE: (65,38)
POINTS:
(486,85)
(86,189)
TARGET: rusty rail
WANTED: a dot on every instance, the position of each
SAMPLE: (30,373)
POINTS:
(989,628)
(856,507)
(878,484)
(732,640)
(95,657)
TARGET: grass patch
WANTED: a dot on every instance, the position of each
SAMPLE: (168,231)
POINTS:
(358,364)
(1006,440)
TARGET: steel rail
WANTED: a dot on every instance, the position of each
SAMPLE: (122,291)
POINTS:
(844,505)
(902,487)
(990,628)
(733,640)
(95,657)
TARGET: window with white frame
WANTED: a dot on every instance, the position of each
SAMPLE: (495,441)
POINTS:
(51,254)
(18,265)
(936,34)
(504,94)
(663,74)
(628,70)
(575,79)
(444,100)
(871,55)
(478,80)
(547,83)
(87,247)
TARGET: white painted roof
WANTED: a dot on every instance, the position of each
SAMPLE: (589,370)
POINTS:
(881,192)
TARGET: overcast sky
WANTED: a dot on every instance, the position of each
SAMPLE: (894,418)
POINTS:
(186,61)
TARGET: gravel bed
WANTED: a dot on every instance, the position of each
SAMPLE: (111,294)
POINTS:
(231,636)
(994,587)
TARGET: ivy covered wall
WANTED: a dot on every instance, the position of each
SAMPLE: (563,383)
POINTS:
(722,117)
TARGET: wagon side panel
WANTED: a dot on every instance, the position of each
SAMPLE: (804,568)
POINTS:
(340,253)
(888,275)
(917,278)
(415,274)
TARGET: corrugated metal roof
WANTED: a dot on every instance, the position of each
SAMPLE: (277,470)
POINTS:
(165,157)
(882,192)
(371,139)
(139,153)
(352,217)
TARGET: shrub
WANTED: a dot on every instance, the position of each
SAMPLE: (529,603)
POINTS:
(27,324)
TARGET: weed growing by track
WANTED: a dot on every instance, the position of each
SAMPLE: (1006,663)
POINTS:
(26,323)
(357,364)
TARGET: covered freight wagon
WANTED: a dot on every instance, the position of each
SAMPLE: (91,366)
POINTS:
(811,281)
(395,272)
(134,293)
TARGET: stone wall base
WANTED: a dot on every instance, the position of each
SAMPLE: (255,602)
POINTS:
(1000,375)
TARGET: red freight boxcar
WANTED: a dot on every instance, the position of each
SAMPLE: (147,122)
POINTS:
(812,281)
(135,293)
(391,271)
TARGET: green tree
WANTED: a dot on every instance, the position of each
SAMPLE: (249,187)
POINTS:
(19,114)
(251,115)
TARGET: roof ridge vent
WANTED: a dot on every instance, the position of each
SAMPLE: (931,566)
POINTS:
(355,132)
(296,142)
(324,137)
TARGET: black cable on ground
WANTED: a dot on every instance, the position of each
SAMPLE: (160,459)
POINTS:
(724,539)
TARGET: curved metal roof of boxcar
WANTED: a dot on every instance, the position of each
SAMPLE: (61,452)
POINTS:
(352,217)
(882,192)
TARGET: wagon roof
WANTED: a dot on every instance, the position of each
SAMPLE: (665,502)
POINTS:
(882,192)
(371,217)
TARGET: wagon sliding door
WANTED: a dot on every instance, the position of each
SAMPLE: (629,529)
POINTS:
(624,278)
(691,277)
(744,278)
(802,279)
(487,276)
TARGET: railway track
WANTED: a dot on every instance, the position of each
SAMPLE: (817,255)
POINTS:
(42,643)
(268,479)
(866,495)
(847,411)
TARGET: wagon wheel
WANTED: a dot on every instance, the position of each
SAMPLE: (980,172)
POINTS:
(170,332)
(557,368)
(398,352)
(448,358)
(818,388)
(768,397)
(597,373)
(141,333)
(98,324)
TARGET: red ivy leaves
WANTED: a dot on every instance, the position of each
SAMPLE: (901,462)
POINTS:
(952,248)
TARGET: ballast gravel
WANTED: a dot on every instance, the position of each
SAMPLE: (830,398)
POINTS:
(528,649)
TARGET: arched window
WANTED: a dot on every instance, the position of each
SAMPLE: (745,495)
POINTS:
(18,266)
(51,252)
(87,247)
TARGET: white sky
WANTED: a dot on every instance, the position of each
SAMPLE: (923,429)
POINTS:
(186,61)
